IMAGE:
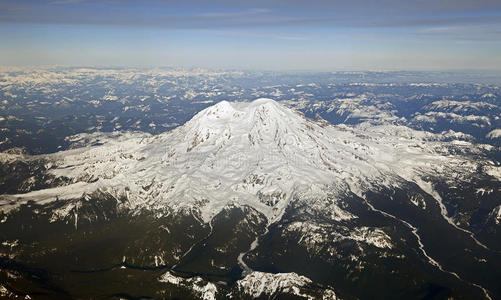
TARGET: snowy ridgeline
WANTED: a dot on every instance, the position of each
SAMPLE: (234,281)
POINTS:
(261,154)
(254,285)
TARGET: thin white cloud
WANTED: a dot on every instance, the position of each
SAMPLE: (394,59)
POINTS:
(249,12)
(63,2)
(278,36)
(462,32)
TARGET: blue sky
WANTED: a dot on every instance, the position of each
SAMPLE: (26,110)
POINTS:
(269,35)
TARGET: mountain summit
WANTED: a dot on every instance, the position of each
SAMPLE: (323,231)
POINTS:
(261,154)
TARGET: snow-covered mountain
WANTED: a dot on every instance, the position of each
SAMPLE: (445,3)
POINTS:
(254,198)
(260,154)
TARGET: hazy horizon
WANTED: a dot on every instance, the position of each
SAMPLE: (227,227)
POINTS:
(259,35)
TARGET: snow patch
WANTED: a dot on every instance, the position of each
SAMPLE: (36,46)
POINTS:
(493,171)
(494,134)
(496,213)
(260,284)
(204,290)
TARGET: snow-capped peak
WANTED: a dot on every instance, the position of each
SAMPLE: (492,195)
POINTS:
(259,153)
(225,110)
(257,121)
